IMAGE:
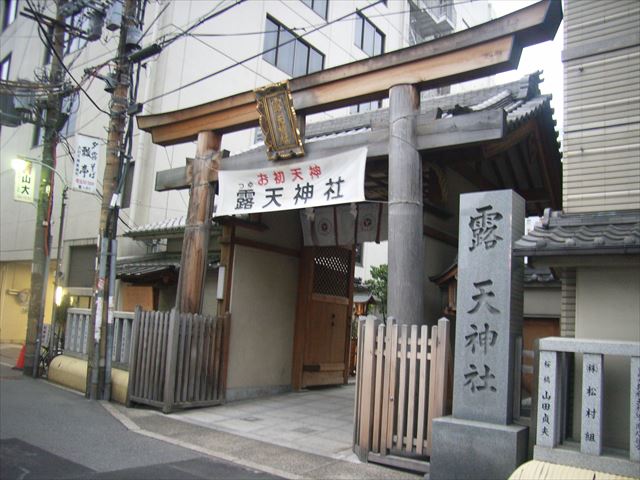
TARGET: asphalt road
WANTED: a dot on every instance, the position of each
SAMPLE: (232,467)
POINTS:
(50,433)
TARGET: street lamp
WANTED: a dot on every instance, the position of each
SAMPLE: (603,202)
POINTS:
(21,164)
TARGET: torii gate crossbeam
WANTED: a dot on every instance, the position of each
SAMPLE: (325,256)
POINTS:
(483,50)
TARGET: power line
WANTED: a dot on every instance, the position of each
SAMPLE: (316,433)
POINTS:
(53,50)
(208,17)
(229,67)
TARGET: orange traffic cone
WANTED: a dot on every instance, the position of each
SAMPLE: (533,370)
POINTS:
(20,362)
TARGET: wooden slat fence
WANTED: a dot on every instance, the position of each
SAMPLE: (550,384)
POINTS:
(402,385)
(177,360)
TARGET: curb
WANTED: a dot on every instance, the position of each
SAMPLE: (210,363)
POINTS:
(133,427)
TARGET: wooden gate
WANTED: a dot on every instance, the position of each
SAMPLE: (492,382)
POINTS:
(177,360)
(324,313)
(402,385)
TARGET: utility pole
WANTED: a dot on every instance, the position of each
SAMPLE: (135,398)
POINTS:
(42,243)
(102,317)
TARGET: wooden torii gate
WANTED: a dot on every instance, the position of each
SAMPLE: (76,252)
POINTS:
(487,49)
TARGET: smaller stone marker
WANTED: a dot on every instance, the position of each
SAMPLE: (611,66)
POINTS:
(479,439)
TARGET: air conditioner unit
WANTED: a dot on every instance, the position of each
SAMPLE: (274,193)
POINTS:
(9,116)
(24,101)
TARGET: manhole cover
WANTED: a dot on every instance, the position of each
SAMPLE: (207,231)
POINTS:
(252,419)
(305,430)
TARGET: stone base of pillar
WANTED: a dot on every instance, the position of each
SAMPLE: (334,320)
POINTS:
(468,449)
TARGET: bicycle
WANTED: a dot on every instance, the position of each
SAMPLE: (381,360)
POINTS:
(46,357)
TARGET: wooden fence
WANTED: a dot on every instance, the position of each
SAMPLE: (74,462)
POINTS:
(402,385)
(177,360)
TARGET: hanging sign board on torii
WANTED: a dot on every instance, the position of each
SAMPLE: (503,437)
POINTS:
(293,185)
(278,121)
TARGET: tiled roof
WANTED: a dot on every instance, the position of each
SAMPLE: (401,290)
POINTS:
(144,265)
(540,276)
(168,226)
(520,99)
(583,234)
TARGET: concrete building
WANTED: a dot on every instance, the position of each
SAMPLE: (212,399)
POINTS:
(595,241)
(333,35)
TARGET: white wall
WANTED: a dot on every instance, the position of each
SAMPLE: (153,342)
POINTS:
(183,61)
(542,302)
(607,306)
(263,306)
(373,255)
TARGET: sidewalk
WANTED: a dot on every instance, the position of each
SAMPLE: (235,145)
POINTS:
(296,435)
(9,354)
(269,448)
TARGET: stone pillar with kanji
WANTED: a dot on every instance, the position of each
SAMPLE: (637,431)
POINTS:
(479,439)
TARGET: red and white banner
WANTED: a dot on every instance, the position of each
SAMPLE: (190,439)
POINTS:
(292,185)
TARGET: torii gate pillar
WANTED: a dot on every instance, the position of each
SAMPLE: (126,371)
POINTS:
(406,245)
(195,246)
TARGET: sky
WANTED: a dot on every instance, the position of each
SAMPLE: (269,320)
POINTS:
(543,56)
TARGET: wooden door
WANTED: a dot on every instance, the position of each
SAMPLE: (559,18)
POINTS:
(327,316)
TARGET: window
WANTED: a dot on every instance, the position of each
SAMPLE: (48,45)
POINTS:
(318,6)
(81,266)
(38,135)
(47,49)
(4,67)
(368,37)
(70,108)
(74,42)
(10,12)
(371,40)
(5,64)
(289,53)
(366,107)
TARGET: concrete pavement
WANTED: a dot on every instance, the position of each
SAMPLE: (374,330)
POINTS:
(144,443)
(52,433)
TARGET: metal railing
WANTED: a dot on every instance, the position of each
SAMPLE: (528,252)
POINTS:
(552,411)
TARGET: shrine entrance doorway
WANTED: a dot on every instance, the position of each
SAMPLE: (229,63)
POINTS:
(323,320)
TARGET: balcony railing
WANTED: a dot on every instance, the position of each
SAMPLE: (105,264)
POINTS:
(552,406)
(431,18)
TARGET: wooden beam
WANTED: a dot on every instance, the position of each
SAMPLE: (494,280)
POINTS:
(172,179)
(440,235)
(431,134)
(483,50)
(268,247)
(513,138)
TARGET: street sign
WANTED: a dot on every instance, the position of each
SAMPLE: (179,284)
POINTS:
(86,164)
(25,183)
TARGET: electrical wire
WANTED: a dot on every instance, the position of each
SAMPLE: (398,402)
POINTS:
(205,19)
(44,33)
(146,31)
(229,67)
